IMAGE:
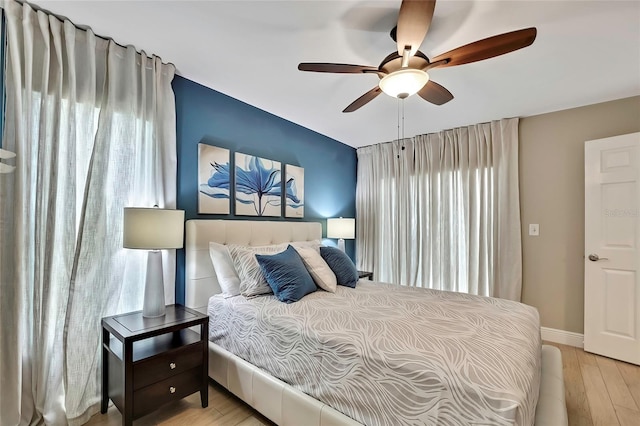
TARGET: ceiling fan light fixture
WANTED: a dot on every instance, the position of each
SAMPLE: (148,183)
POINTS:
(404,82)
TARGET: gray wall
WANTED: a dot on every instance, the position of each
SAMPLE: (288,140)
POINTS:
(552,194)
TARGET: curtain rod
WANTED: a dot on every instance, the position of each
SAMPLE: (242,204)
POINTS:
(439,131)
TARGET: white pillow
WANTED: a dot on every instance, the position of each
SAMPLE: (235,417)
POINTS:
(225,271)
(320,271)
(315,244)
(252,282)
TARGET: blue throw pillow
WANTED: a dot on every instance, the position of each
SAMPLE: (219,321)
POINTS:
(341,265)
(286,275)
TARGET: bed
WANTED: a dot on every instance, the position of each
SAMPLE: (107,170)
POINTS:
(288,405)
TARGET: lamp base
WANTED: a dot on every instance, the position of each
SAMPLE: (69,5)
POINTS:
(341,244)
(154,304)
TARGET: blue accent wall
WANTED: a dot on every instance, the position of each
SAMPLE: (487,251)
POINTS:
(206,116)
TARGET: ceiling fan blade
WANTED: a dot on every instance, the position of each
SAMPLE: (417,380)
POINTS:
(364,99)
(335,68)
(488,48)
(435,93)
(414,20)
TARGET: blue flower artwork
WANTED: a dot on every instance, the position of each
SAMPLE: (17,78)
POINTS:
(214,184)
(258,186)
(294,191)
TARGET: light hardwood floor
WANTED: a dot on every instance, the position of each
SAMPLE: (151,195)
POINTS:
(599,392)
(224,410)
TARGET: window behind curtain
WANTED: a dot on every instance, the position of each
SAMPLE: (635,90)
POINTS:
(93,127)
(441,210)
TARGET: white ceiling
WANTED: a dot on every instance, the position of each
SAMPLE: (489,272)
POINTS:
(586,52)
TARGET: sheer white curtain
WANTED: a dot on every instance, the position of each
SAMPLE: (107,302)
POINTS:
(442,210)
(93,127)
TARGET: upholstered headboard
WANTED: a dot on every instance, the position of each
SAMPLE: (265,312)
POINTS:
(200,279)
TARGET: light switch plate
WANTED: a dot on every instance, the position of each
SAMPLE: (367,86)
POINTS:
(534,229)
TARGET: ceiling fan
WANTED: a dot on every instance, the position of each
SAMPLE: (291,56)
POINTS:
(404,73)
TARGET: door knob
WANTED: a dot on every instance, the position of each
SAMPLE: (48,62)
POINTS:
(595,258)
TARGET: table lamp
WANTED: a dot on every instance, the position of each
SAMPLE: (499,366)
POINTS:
(5,155)
(153,229)
(341,228)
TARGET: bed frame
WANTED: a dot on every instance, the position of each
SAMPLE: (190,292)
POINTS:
(275,399)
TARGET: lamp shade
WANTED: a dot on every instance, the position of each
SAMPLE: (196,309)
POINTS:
(153,228)
(404,82)
(5,155)
(341,228)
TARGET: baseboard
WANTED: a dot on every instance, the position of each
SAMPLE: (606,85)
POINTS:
(562,337)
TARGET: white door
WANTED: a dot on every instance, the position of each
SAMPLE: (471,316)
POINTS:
(612,236)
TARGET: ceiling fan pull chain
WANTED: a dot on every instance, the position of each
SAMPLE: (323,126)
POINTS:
(398,138)
(398,120)
(403,122)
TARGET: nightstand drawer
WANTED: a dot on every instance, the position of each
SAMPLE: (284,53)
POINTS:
(175,387)
(166,365)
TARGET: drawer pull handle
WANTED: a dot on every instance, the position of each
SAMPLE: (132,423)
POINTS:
(172,365)
(172,389)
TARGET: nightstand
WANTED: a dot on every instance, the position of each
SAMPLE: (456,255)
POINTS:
(365,274)
(147,362)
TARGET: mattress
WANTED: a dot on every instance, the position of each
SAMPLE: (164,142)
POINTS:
(384,354)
